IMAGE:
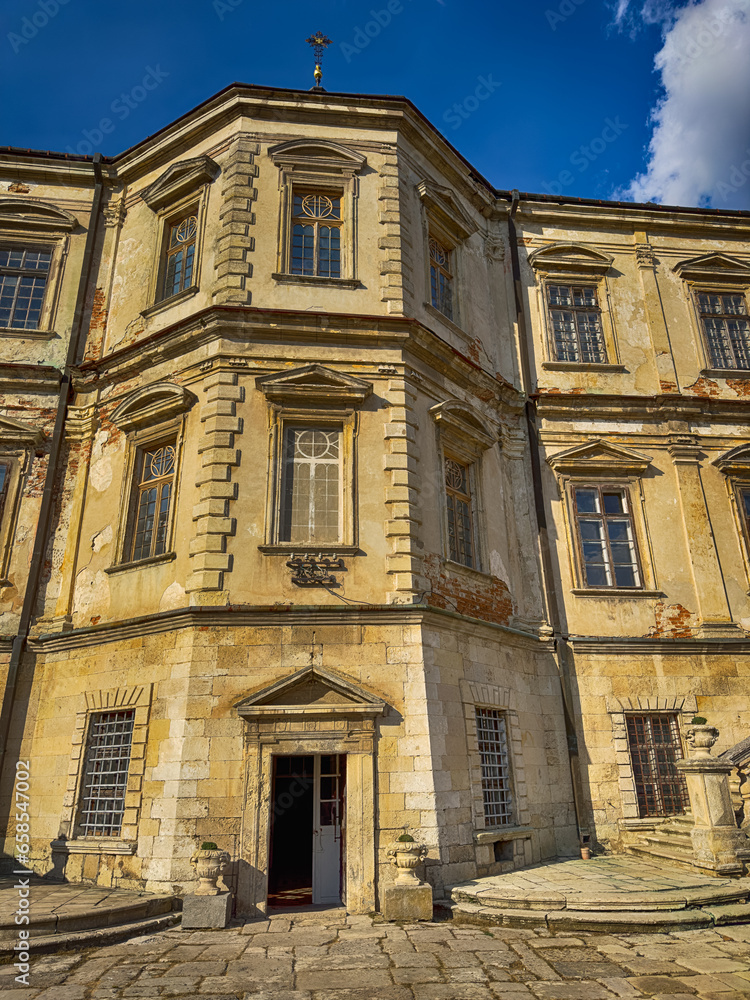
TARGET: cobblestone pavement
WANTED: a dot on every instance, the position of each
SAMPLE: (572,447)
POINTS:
(331,956)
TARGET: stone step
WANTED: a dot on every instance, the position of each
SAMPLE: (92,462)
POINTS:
(674,856)
(679,844)
(95,936)
(732,913)
(607,921)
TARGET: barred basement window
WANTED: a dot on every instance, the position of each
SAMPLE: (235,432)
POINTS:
(726,328)
(606,537)
(655,746)
(150,516)
(23,280)
(316,235)
(492,740)
(460,526)
(576,324)
(105,776)
(180,256)
(441,278)
(311,502)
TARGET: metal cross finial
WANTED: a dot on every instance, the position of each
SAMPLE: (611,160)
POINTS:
(319,43)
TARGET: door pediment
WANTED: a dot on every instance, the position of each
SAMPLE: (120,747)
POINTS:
(311,691)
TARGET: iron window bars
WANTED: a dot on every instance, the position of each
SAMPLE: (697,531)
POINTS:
(654,742)
(106,773)
(576,324)
(727,329)
(492,740)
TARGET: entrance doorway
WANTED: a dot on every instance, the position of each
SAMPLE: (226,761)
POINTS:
(308,830)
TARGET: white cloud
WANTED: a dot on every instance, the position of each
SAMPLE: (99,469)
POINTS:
(699,153)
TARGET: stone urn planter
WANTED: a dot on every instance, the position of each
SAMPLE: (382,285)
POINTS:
(209,863)
(406,854)
(700,737)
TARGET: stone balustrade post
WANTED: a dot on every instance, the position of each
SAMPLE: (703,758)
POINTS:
(719,846)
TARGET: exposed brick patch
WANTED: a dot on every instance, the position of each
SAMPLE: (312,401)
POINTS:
(97,326)
(667,386)
(489,600)
(740,385)
(705,387)
(18,188)
(474,349)
(672,621)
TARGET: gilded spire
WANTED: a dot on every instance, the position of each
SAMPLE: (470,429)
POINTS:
(319,43)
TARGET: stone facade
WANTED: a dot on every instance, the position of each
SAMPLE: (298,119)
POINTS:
(229,646)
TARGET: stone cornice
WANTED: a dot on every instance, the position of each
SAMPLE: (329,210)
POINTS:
(29,378)
(659,408)
(638,645)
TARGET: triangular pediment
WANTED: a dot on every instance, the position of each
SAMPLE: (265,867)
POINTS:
(714,267)
(313,384)
(600,458)
(152,405)
(735,462)
(576,258)
(461,421)
(180,180)
(14,432)
(27,213)
(312,690)
(317,154)
(444,209)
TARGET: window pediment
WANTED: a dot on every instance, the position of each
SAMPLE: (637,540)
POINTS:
(180,180)
(311,691)
(15,433)
(313,384)
(735,462)
(599,458)
(464,424)
(317,155)
(152,405)
(572,258)
(444,210)
(713,267)
(29,215)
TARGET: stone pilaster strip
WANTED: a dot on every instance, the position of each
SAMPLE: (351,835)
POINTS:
(234,245)
(393,242)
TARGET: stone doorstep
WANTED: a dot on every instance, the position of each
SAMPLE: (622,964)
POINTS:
(738,913)
(95,937)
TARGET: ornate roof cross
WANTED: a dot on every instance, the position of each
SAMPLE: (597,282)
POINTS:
(319,43)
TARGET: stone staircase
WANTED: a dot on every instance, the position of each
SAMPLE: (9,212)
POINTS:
(669,841)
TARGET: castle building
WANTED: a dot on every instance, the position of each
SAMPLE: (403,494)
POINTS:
(344,494)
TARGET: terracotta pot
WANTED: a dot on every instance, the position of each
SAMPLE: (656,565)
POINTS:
(209,865)
(406,855)
(586,853)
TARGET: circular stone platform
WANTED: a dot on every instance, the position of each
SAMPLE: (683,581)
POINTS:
(617,893)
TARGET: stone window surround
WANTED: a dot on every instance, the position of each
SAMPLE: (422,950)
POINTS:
(713,273)
(479,695)
(598,463)
(574,264)
(329,168)
(138,698)
(735,467)
(148,416)
(18,444)
(684,708)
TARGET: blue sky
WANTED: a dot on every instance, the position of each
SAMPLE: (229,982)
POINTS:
(549,96)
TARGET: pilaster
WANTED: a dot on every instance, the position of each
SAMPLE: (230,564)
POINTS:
(657,324)
(394,243)
(234,243)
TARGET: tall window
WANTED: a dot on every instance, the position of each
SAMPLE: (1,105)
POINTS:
(311,485)
(744,498)
(441,278)
(654,742)
(152,501)
(105,775)
(23,279)
(576,324)
(606,537)
(178,272)
(4,479)
(316,235)
(460,527)
(727,330)
(492,739)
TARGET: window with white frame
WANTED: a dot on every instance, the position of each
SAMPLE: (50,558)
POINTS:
(151,505)
(441,277)
(316,234)
(459,513)
(105,774)
(311,506)
(726,328)
(23,281)
(492,743)
(576,322)
(606,536)
(179,255)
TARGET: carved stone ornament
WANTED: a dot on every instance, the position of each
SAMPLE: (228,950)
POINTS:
(494,248)
(209,865)
(700,739)
(406,855)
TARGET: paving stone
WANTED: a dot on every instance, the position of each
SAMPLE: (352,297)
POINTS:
(709,964)
(552,942)
(75,992)
(586,970)
(342,979)
(441,991)
(386,993)
(207,968)
(410,976)
(620,987)
(417,959)
(723,982)
(570,991)
(660,984)
(532,962)
(19,994)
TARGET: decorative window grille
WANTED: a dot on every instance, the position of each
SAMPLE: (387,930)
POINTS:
(311,502)
(576,324)
(493,753)
(316,235)
(441,278)
(153,502)
(727,329)
(655,746)
(606,537)
(105,776)
(180,256)
(460,526)
(23,279)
